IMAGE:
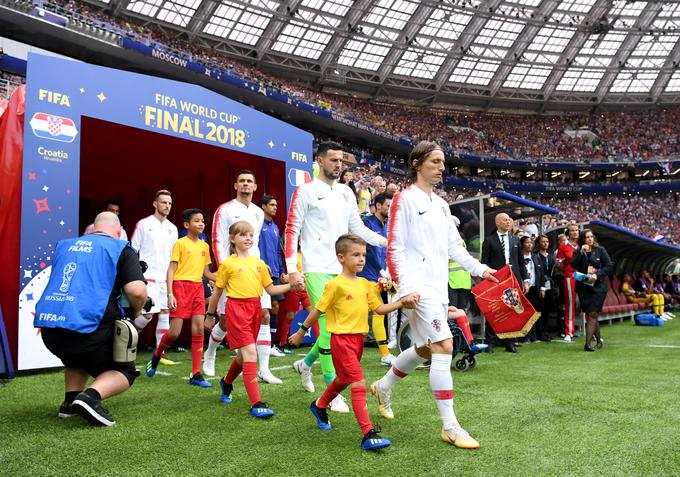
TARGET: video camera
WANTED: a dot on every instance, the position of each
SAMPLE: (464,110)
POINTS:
(128,311)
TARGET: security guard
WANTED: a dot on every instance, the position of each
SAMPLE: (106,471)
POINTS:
(77,312)
(460,281)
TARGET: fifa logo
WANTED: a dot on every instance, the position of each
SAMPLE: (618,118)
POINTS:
(67,276)
(511,299)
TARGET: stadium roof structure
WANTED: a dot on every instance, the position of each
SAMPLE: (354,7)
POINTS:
(492,54)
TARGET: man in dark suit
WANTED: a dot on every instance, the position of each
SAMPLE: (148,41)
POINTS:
(498,250)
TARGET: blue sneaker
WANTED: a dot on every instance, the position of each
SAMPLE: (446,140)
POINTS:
(198,380)
(225,397)
(261,411)
(321,415)
(373,441)
(151,366)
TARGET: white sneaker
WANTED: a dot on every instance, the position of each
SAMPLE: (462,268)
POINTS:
(209,363)
(268,378)
(276,352)
(392,344)
(384,397)
(305,375)
(459,437)
(339,405)
(388,360)
(567,339)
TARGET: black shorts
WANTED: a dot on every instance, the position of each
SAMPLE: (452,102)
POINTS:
(92,352)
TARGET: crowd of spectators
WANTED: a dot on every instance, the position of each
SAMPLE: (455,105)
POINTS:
(654,216)
(629,136)
(8,83)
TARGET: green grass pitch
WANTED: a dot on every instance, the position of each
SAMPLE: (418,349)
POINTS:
(552,409)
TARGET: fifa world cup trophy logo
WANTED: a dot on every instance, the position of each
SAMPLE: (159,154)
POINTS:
(511,299)
(66,277)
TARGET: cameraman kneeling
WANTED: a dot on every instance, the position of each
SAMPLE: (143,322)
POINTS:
(77,312)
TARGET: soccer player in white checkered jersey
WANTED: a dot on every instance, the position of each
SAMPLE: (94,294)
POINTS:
(421,239)
(153,239)
(240,208)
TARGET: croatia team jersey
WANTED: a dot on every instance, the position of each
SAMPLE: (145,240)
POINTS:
(422,237)
(225,215)
(318,215)
(153,240)
(243,277)
(346,304)
(191,258)
(565,252)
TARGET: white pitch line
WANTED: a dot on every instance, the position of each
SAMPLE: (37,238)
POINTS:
(663,346)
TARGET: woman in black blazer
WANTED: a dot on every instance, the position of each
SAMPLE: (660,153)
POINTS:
(592,260)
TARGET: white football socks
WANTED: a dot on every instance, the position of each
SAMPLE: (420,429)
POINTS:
(441,383)
(264,345)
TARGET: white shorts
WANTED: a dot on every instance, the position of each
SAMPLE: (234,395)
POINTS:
(265,302)
(158,292)
(428,322)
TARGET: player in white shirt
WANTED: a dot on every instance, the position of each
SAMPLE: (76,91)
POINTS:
(320,212)
(422,237)
(153,239)
(240,208)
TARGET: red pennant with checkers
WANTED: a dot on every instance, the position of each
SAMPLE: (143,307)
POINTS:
(504,306)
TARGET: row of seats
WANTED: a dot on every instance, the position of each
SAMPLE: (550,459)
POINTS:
(616,305)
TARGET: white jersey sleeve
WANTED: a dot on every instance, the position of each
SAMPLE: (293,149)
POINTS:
(397,233)
(357,226)
(137,236)
(220,233)
(296,215)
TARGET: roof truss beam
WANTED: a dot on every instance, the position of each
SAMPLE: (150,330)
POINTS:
(463,42)
(285,13)
(523,41)
(404,40)
(575,44)
(643,22)
(669,67)
(334,47)
(200,19)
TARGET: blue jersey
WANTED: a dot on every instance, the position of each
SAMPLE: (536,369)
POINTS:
(82,278)
(375,256)
(270,248)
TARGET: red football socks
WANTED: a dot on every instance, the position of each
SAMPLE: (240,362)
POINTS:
(196,353)
(234,370)
(360,408)
(250,381)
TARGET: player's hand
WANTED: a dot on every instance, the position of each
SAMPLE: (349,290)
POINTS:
(295,279)
(296,338)
(283,279)
(541,294)
(488,275)
(298,286)
(172,303)
(525,288)
(411,300)
(208,323)
(585,248)
(592,278)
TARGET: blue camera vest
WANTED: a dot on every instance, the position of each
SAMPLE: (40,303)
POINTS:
(81,281)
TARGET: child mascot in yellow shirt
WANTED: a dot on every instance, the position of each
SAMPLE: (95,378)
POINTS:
(346,300)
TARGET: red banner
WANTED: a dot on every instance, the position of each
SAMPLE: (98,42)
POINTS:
(504,305)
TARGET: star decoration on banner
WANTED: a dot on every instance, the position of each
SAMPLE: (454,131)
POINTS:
(29,297)
(28,273)
(68,191)
(45,188)
(271,144)
(101,97)
(82,90)
(32,176)
(62,223)
(41,205)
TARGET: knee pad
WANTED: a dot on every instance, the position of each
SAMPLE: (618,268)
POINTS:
(124,341)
